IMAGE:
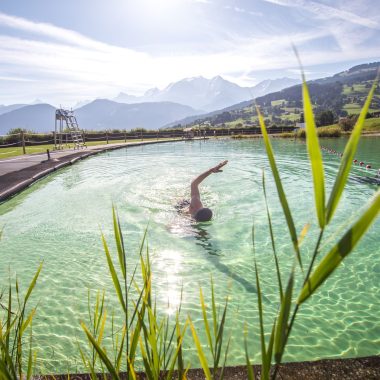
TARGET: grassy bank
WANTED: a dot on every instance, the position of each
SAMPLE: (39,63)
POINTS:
(18,151)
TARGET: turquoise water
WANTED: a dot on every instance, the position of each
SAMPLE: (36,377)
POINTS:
(58,220)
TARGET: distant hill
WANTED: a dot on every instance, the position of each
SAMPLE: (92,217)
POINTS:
(37,118)
(12,107)
(332,92)
(207,94)
(107,114)
(97,115)
(343,94)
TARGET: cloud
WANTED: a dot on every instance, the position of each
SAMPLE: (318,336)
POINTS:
(242,10)
(66,66)
(327,12)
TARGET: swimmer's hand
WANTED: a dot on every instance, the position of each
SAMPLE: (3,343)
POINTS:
(217,168)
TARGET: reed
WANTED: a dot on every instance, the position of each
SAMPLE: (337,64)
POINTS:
(15,325)
(312,277)
(144,333)
(214,335)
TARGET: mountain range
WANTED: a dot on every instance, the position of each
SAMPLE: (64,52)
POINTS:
(343,94)
(207,95)
(186,101)
(153,110)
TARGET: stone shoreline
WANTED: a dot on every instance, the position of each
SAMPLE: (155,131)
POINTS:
(366,368)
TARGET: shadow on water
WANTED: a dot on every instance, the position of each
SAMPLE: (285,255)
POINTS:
(204,240)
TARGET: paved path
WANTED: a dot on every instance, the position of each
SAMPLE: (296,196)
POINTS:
(19,172)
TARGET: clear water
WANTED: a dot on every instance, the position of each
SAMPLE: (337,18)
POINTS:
(58,220)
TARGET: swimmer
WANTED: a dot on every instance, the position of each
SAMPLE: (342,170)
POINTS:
(195,207)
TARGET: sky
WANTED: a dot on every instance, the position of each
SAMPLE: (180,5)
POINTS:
(64,52)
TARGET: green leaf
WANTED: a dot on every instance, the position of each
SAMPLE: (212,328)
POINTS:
(32,284)
(280,189)
(348,157)
(261,320)
(119,241)
(201,355)
(115,279)
(346,244)
(282,321)
(26,323)
(119,355)
(177,352)
(315,156)
(251,373)
(272,240)
(205,321)
(5,374)
(30,361)
(102,355)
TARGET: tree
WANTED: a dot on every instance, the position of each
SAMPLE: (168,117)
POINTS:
(325,118)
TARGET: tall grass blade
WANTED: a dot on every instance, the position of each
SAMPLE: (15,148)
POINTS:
(4,372)
(176,355)
(261,321)
(120,353)
(213,305)
(303,233)
(180,366)
(280,189)
(119,241)
(201,355)
(280,335)
(32,284)
(348,157)
(278,272)
(131,369)
(29,371)
(205,321)
(250,371)
(219,337)
(102,355)
(114,276)
(346,244)
(26,323)
(8,370)
(9,319)
(315,155)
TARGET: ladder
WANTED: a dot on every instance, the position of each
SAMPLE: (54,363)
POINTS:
(73,127)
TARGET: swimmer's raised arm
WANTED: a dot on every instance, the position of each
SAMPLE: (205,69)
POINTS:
(196,208)
(201,177)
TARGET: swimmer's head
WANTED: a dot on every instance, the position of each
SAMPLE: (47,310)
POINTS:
(203,215)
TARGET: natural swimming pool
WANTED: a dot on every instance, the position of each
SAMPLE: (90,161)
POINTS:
(58,220)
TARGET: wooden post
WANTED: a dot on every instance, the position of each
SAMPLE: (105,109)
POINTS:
(107,136)
(23,142)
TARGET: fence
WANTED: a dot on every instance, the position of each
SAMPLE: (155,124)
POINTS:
(26,139)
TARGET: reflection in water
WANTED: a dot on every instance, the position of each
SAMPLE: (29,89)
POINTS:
(203,239)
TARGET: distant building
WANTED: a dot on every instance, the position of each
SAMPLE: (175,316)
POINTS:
(188,133)
(300,125)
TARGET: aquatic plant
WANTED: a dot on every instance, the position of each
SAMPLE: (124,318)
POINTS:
(159,341)
(214,336)
(312,277)
(14,325)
